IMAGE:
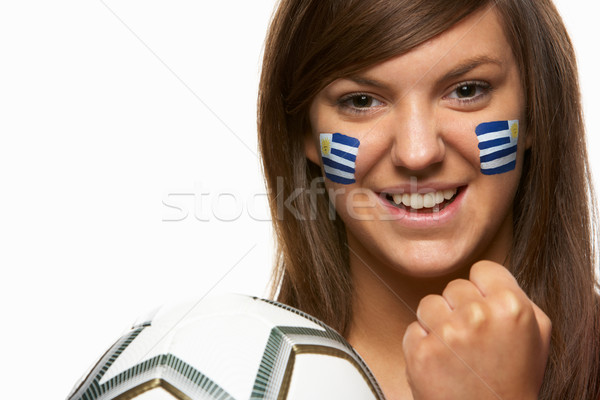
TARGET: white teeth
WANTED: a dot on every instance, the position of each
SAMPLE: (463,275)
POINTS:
(429,200)
(416,201)
(449,193)
(425,200)
(439,197)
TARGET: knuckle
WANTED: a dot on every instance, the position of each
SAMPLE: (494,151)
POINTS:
(426,352)
(418,357)
(509,305)
(449,334)
(475,314)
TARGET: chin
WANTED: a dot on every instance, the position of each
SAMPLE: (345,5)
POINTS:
(432,271)
(432,267)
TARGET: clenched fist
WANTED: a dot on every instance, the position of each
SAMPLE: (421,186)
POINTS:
(481,339)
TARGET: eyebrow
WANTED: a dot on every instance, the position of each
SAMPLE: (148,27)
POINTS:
(366,81)
(456,72)
(470,65)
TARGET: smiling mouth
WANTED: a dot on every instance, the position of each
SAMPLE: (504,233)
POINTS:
(431,202)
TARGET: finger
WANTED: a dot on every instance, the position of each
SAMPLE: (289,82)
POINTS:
(490,277)
(413,335)
(461,291)
(432,310)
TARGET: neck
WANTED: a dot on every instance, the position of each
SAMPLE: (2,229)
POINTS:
(385,300)
(384,304)
(383,296)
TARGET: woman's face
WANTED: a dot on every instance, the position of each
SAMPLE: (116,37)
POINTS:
(415,116)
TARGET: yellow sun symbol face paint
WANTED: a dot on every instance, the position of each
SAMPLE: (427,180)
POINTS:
(325,146)
(514,130)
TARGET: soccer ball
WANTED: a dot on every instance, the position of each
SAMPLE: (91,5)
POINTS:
(229,347)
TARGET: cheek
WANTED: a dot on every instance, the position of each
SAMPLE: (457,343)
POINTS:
(354,203)
(465,143)
(372,152)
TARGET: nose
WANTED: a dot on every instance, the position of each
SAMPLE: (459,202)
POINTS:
(417,142)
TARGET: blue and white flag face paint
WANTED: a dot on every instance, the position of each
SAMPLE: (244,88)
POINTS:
(498,146)
(339,157)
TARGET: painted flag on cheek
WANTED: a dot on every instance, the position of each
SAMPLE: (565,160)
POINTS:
(498,146)
(338,153)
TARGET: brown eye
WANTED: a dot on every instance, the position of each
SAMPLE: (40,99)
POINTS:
(359,103)
(362,101)
(466,91)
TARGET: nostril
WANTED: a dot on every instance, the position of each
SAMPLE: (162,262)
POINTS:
(416,154)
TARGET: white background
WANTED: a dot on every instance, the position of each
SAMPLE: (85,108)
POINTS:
(109,112)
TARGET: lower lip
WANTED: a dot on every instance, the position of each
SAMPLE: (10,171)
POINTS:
(416,219)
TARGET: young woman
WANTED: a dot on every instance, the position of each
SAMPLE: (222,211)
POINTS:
(430,192)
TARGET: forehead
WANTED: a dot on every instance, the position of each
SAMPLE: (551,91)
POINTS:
(480,36)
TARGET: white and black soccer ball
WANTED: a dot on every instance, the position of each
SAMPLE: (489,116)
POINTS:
(229,347)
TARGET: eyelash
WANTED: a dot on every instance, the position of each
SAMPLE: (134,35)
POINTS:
(344,103)
(484,87)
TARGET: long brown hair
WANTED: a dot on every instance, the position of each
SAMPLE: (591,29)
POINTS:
(313,42)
